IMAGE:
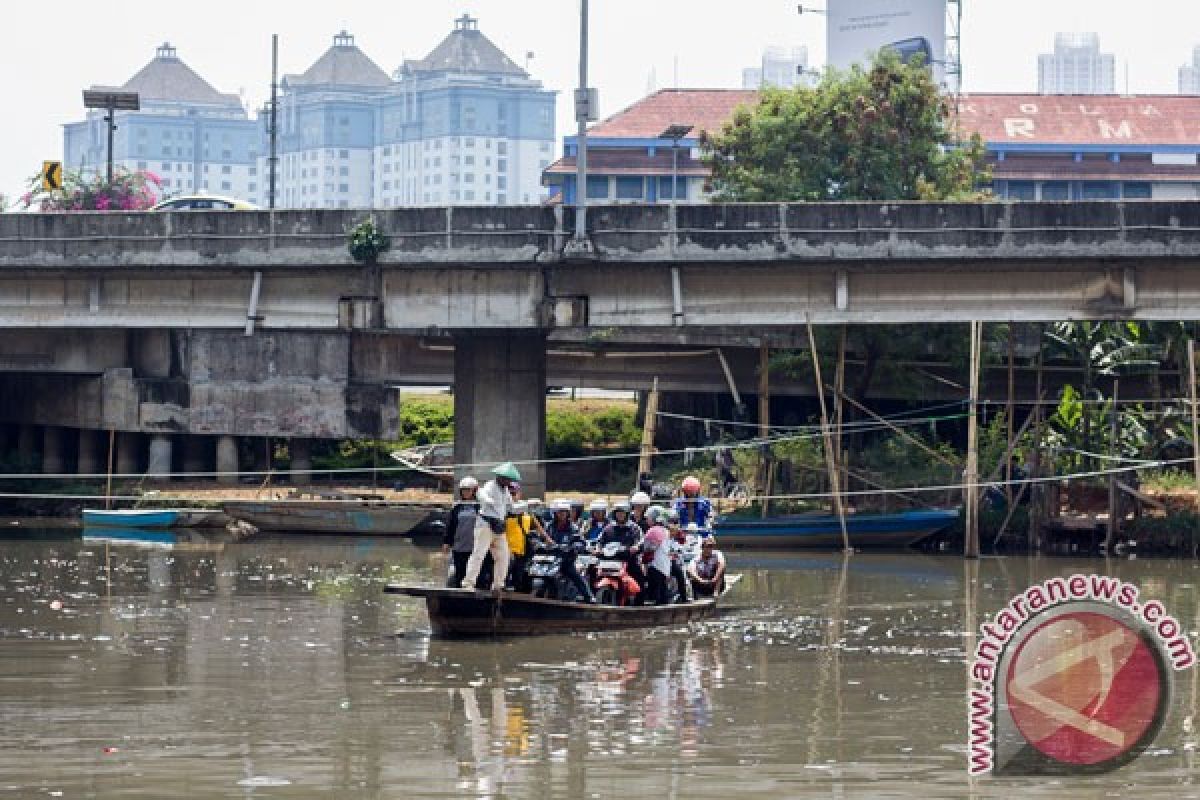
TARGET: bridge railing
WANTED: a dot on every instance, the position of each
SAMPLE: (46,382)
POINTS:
(524,234)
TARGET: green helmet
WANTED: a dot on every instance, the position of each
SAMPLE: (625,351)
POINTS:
(507,470)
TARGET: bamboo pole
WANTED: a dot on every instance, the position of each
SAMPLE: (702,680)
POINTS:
(1037,498)
(830,460)
(1195,435)
(839,388)
(901,432)
(1114,524)
(649,427)
(1012,347)
(971,476)
(764,426)
(112,446)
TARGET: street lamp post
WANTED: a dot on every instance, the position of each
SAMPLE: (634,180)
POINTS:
(585,112)
(111,102)
(675,133)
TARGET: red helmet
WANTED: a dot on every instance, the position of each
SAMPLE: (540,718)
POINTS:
(691,485)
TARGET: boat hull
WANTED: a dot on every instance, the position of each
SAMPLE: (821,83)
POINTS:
(469,613)
(336,518)
(823,531)
(155,518)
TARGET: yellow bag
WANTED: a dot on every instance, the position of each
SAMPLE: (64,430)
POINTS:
(515,529)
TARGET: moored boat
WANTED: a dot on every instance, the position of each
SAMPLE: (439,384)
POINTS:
(341,513)
(467,612)
(823,531)
(155,518)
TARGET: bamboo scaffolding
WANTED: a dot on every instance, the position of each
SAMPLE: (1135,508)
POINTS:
(971,475)
(830,460)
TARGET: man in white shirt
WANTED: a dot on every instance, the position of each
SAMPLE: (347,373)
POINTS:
(495,504)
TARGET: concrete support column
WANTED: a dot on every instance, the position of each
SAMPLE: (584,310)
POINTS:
(93,459)
(196,453)
(127,453)
(158,459)
(53,462)
(227,460)
(301,453)
(500,404)
(28,447)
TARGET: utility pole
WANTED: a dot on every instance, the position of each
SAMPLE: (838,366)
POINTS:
(273,159)
(585,111)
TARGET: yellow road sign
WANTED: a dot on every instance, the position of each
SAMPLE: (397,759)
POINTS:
(52,175)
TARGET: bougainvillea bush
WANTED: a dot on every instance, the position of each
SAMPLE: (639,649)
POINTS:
(129,191)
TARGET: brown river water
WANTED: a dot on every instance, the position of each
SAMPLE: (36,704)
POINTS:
(276,668)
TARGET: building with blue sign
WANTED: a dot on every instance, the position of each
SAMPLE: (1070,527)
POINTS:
(191,135)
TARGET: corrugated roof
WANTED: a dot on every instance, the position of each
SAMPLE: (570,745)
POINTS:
(998,118)
(466,49)
(167,78)
(1083,119)
(343,64)
(703,109)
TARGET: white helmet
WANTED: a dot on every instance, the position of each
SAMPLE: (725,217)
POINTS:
(520,507)
(561,505)
(640,499)
(535,503)
(622,505)
(468,483)
(598,505)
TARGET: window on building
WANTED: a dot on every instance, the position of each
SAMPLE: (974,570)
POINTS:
(387,185)
(468,196)
(501,148)
(501,182)
(166,151)
(141,165)
(501,199)
(468,177)
(427,200)
(226,186)
(1100,190)
(545,147)
(597,187)
(1056,190)
(469,141)
(166,166)
(226,154)
(665,187)
(250,187)
(343,171)
(437,179)
(226,170)
(469,160)
(502,165)
(253,171)
(1021,190)
(487,178)
(630,188)
(387,151)
(343,153)
(343,187)
(1136,191)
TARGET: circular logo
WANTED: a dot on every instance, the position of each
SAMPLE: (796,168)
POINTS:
(1087,689)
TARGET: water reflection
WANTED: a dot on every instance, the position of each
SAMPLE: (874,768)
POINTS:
(276,668)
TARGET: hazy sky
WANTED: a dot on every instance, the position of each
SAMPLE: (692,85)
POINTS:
(49,51)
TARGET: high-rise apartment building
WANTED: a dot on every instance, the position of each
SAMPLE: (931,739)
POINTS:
(1189,74)
(463,126)
(191,135)
(781,67)
(1076,66)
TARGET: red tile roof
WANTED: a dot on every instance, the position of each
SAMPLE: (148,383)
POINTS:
(1083,119)
(633,162)
(1014,118)
(704,109)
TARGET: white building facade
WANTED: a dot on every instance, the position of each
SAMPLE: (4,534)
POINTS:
(1076,66)
(1189,75)
(781,67)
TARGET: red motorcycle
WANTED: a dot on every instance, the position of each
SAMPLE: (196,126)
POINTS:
(612,582)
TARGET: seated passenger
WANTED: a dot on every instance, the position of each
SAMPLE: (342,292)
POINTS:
(707,572)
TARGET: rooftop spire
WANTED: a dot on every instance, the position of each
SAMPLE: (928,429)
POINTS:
(165,50)
(343,39)
(466,23)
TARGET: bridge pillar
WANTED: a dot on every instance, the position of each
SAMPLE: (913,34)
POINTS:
(158,458)
(52,450)
(127,453)
(195,451)
(500,404)
(227,460)
(89,462)
(301,452)
(27,445)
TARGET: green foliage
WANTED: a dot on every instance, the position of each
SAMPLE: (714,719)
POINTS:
(1175,532)
(129,191)
(880,133)
(426,422)
(568,434)
(617,427)
(366,241)
(1168,480)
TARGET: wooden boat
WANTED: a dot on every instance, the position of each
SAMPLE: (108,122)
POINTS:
(468,612)
(155,518)
(431,460)
(823,531)
(339,512)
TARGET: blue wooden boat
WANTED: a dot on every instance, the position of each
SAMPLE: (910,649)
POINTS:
(822,531)
(143,537)
(153,518)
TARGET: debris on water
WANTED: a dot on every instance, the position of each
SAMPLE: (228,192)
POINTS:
(264,780)
(56,605)
(108,751)
(344,705)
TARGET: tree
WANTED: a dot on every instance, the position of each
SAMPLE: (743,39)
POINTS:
(881,133)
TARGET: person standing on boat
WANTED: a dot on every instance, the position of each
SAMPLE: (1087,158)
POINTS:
(658,556)
(459,541)
(562,533)
(707,572)
(495,504)
(516,531)
(693,507)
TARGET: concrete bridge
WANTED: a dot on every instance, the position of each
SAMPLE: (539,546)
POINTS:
(218,324)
